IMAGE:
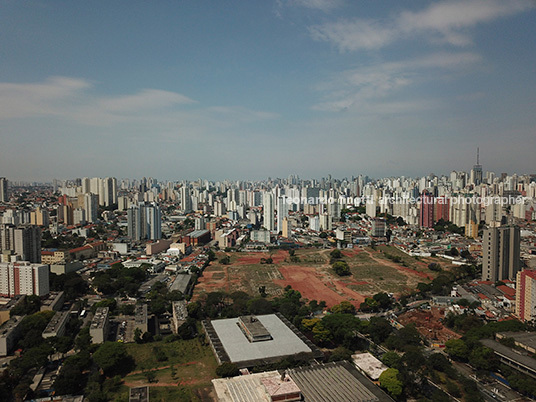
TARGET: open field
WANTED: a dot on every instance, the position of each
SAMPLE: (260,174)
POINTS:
(185,375)
(311,274)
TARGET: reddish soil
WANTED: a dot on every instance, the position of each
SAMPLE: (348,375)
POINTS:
(255,258)
(351,252)
(314,286)
(428,325)
(213,281)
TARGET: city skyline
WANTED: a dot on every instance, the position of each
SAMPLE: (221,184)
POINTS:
(253,90)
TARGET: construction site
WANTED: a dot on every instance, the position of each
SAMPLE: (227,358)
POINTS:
(429,324)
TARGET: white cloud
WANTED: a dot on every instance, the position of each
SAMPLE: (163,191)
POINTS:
(146,99)
(323,5)
(149,109)
(355,34)
(38,99)
(446,21)
(368,88)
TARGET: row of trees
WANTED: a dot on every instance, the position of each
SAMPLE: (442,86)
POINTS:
(119,280)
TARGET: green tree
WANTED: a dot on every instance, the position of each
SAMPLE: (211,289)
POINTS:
(341,268)
(188,330)
(83,340)
(211,255)
(344,307)
(320,333)
(434,266)
(453,389)
(227,370)
(457,349)
(379,329)
(111,357)
(335,254)
(391,359)
(340,353)
(389,380)
(137,335)
(259,305)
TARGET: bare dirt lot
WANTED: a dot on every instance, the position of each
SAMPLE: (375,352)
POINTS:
(310,272)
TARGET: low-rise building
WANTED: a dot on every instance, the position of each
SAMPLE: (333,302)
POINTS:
(53,302)
(259,387)
(140,318)
(66,267)
(180,314)
(369,365)
(9,335)
(57,325)
(182,283)
(6,304)
(99,325)
(278,339)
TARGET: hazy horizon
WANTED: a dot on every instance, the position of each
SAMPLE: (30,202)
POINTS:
(250,90)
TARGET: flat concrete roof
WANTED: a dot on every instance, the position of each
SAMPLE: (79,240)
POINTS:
(369,364)
(528,339)
(511,354)
(284,342)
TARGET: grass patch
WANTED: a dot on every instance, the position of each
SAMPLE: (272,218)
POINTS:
(189,363)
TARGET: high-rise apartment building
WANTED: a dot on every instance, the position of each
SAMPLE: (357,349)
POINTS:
(378,227)
(154,221)
(107,191)
(286,230)
(426,212)
(144,221)
(23,278)
(282,212)
(526,295)
(91,207)
(79,216)
(500,253)
(40,217)
(3,190)
(24,241)
(186,199)
(268,211)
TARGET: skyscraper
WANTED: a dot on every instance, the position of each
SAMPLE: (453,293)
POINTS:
(426,213)
(154,221)
(282,212)
(91,205)
(3,190)
(268,211)
(500,253)
(186,199)
(144,222)
(24,241)
(134,222)
(476,173)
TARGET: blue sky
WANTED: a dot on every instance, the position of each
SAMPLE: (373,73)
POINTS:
(251,89)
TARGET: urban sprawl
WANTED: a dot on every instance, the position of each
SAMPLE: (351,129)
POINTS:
(353,289)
